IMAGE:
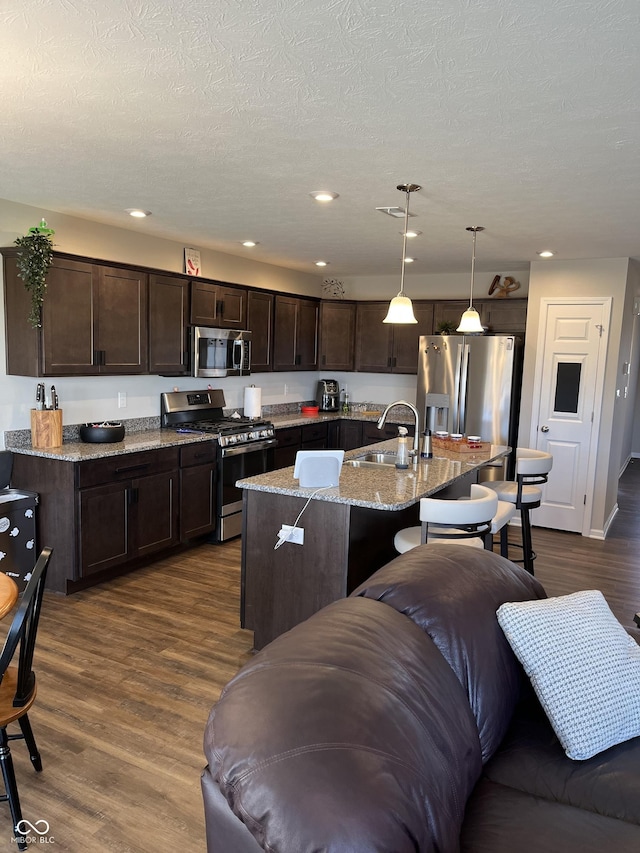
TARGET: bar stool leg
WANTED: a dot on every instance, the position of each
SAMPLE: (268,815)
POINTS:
(527,549)
(504,541)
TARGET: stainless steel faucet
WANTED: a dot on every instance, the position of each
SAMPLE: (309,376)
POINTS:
(416,433)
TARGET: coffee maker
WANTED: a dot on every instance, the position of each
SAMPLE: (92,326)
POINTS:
(328,395)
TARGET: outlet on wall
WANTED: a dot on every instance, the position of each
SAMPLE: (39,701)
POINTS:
(122,399)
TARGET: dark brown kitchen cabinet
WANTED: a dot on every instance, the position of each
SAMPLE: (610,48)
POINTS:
(217,304)
(371,434)
(260,324)
(168,324)
(337,335)
(314,436)
(197,490)
(94,320)
(449,312)
(289,443)
(350,435)
(389,348)
(504,316)
(295,334)
(130,512)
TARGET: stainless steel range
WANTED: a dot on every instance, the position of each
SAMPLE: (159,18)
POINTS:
(245,447)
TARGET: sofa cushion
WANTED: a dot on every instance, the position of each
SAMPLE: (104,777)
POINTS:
(583,665)
(350,732)
(504,820)
(452,593)
(532,760)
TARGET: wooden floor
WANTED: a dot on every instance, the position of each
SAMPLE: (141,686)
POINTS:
(129,670)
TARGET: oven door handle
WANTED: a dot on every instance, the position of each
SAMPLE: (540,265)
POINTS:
(250,447)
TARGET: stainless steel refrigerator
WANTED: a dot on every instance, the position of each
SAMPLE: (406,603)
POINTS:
(471,385)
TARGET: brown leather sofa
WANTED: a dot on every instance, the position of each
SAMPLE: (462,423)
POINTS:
(399,720)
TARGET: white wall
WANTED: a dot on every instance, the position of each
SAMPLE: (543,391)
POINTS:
(431,286)
(582,279)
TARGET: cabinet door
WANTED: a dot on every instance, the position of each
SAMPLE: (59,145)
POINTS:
(104,527)
(337,335)
(284,332)
(307,335)
(197,501)
(374,339)
(168,316)
(233,308)
(289,442)
(350,435)
(504,316)
(260,324)
(448,312)
(68,319)
(216,304)
(406,339)
(121,321)
(154,513)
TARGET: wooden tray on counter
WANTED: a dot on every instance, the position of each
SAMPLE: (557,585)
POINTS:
(459,446)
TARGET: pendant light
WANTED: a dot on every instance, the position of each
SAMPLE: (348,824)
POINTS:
(400,307)
(470,322)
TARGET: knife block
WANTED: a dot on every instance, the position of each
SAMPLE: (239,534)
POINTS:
(46,428)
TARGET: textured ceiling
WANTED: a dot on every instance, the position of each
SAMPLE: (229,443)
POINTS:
(220,116)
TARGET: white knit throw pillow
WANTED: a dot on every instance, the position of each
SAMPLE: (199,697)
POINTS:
(583,665)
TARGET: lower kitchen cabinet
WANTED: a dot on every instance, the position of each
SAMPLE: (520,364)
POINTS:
(197,490)
(105,516)
(132,513)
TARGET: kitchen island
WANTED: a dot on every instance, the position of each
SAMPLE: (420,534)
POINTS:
(348,531)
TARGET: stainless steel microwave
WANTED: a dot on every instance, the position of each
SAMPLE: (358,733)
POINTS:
(220,352)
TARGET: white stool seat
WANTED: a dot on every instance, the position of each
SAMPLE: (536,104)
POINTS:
(507,492)
(410,537)
(505,513)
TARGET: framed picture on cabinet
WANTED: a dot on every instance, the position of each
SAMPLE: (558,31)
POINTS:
(192,262)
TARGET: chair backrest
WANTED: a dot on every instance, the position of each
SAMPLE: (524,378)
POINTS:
(533,463)
(481,506)
(23,631)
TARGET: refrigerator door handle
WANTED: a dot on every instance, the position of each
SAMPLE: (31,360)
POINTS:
(457,390)
(464,378)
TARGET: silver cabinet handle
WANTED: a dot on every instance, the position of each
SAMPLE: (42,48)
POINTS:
(544,429)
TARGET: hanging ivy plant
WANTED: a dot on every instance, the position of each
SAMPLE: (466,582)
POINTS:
(34,259)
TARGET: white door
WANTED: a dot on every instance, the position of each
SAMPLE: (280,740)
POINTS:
(570,372)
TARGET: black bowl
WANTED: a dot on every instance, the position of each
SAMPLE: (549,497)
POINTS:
(102,433)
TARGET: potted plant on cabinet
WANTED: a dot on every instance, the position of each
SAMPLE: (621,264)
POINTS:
(34,259)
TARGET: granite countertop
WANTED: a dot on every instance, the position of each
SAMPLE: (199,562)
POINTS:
(80,451)
(385,487)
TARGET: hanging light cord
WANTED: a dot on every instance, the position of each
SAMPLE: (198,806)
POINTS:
(404,240)
(475,229)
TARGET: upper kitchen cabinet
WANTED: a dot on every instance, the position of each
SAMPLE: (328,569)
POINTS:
(295,333)
(217,304)
(260,324)
(168,320)
(94,320)
(337,335)
(389,348)
(504,316)
(499,316)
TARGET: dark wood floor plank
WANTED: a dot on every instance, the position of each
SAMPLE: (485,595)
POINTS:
(127,673)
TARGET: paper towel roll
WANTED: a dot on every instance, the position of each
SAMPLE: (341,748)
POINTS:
(252,402)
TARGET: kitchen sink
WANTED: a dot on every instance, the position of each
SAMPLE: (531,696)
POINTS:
(373,460)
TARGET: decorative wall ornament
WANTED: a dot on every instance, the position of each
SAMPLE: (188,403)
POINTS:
(192,261)
(33,262)
(333,287)
(504,289)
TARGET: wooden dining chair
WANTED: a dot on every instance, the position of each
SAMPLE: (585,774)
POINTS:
(18,686)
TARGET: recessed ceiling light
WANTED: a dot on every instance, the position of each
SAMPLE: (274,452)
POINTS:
(323,195)
(249,243)
(322,263)
(410,260)
(138,212)
(411,234)
(545,254)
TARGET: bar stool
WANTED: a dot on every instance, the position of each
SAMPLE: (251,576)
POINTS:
(532,470)
(463,522)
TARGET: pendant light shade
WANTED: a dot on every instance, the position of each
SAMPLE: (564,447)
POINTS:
(400,308)
(470,321)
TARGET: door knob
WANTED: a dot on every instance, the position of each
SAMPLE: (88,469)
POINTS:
(544,429)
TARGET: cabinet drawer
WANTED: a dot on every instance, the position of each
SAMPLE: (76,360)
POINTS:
(125,467)
(198,454)
(314,432)
(289,437)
